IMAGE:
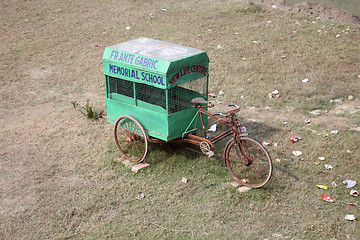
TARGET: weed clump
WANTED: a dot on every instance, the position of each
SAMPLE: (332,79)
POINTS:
(253,8)
(89,110)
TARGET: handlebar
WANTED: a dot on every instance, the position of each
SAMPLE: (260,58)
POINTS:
(199,101)
(221,114)
(229,113)
(233,105)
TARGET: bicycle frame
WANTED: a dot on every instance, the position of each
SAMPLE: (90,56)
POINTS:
(241,153)
(234,130)
(233,124)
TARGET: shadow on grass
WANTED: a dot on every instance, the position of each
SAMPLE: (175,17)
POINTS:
(259,131)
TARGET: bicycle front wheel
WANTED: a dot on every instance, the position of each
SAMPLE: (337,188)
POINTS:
(248,162)
(130,138)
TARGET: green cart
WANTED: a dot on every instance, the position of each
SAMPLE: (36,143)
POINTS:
(157,92)
(152,83)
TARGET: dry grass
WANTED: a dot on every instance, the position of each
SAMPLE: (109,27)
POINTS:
(60,177)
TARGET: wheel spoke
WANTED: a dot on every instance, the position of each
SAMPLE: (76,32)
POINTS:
(248,160)
(130,138)
(256,173)
(236,160)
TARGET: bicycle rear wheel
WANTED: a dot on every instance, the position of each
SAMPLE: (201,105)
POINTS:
(248,162)
(130,138)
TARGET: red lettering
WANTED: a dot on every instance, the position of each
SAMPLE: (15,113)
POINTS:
(177,75)
(173,80)
(182,73)
(186,70)
(194,68)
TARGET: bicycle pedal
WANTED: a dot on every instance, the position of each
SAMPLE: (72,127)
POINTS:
(210,154)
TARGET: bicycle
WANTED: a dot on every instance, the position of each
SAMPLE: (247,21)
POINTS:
(246,159)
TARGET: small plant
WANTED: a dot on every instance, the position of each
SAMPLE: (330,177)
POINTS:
(253,8)
(90,112)
(75,104)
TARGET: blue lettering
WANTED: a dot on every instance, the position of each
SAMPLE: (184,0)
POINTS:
(150,78)
(149,61)
(133,74)
(154,64)
(143,76)
(145,62)
(114,54)
(111,68)
(137,60)
(126,57)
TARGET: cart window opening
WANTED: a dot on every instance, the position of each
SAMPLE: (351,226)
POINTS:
(120,86)
(150,94)
(180,96)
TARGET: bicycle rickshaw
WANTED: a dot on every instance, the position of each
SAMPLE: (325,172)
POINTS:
(157,92)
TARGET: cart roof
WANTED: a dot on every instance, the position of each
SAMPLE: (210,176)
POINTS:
(177,64)
(156,49)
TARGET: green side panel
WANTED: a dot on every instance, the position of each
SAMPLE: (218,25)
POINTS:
(154,123)
(183,121)
(189,69)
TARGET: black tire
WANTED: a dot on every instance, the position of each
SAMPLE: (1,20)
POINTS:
(248,162)
(130,138)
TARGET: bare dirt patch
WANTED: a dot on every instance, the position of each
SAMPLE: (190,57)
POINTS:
(316,9)
(42,72)
(346,108)
(331,119)
(331,13)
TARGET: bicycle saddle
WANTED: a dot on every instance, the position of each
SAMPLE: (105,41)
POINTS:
(199,100)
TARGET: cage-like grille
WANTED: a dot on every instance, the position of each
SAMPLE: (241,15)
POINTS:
(150,94)
(120,86)
(180,97)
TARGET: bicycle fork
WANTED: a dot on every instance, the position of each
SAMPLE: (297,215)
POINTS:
(242,150)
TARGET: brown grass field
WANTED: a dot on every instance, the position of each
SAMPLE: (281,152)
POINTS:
(60,176)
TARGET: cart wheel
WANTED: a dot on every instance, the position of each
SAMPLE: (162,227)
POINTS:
(130,138)
(248,162)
